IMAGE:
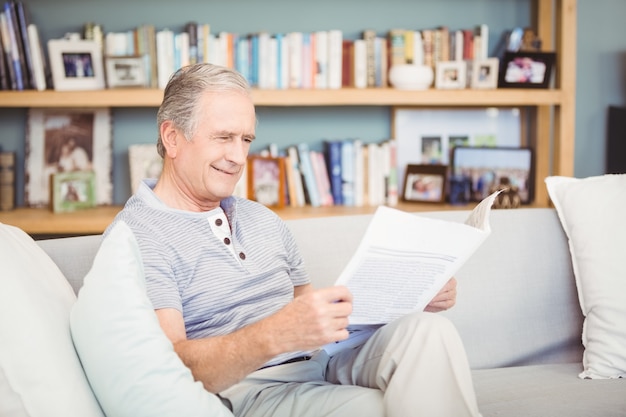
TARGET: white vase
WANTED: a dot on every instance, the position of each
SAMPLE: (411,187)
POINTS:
(411,77)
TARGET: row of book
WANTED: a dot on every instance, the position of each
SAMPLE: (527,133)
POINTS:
(22,61)
(321,59)
(345,172)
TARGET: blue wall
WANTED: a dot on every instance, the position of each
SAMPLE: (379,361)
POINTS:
(600,61)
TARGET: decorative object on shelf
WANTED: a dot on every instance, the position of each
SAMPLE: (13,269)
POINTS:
(67,140)
(125,71)
(490,169)
(509,197)
(526,69)
(71,191)
(451,75)
(484,73)
(144,162)
(425,183)
(266,180)
(76,64)
(411,77)
(7,181)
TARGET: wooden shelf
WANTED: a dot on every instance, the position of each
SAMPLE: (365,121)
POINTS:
(550,130)
(41,221)
(144,97)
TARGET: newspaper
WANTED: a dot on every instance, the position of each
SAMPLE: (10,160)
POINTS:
(405,259)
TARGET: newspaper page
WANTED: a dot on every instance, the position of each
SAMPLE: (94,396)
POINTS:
(405,259)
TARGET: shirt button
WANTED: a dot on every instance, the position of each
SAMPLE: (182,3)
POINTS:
(242,256)
(218,222)
(227,241)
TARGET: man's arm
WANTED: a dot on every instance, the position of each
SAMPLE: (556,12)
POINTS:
(313,319)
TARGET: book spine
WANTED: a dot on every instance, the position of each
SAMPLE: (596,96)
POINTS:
(10,53)
(333,163)
(5,82)
(335,59)
(396,47)
(321,177)
(22,24)
(39,74)
(7,181)
(321,59)
(369,37)
(300,199)
(347,172)
(308,174)
(360,63)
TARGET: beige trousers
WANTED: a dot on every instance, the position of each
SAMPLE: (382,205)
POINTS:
(415,366)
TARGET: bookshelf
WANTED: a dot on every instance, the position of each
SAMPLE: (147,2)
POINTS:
(551,120)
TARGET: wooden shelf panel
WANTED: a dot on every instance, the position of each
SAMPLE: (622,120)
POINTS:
(145,97)
(41,221)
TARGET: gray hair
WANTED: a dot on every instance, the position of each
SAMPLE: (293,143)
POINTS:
(184,91)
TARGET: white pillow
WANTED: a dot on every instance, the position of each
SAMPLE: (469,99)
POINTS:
(130,363)
(593,214)
(39,370)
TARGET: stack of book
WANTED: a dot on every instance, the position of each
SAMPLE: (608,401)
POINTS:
(22,62)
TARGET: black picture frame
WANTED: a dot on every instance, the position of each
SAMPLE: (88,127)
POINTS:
(491,168)
(425,183)
(526,69)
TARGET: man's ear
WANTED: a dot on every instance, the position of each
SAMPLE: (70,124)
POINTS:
(170,138)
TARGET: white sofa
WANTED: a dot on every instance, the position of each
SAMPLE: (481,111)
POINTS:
(517,311)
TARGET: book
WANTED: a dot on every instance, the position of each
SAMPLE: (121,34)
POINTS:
(38,59)
(5,82)
(404,259)
(321,178)
(369,36)
(308,174)
(335,58)
(333,154)
(294,166)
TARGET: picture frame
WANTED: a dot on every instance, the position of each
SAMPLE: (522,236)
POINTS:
(67,140)
(492,168)
(71,191)
(425,183)
(144,163)
(76,64)
(266,180)
(125,71)
(485,73)
(526,69)
(451,75)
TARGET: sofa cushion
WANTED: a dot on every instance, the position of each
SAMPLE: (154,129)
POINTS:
(591,211)
(40,374)
(547,390)
(131,364)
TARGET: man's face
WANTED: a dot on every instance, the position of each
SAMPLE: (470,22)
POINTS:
(210,164)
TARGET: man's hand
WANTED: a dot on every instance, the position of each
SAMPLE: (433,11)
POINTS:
(445,299)
(313,319)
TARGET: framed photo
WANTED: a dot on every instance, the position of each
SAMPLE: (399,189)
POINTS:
(73,191)
(451,75)
(125,71)
(485,73)
(67,140)
(491,168)
(425,183)
(144,162)
(266,180)
(526,69)
(76,64)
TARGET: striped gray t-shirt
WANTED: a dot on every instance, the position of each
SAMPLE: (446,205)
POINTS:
(189,268)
